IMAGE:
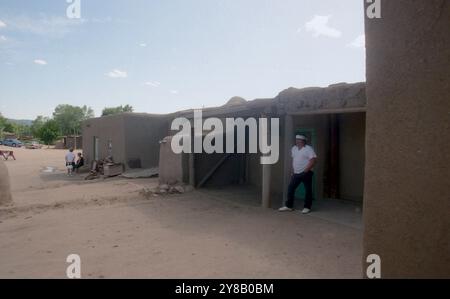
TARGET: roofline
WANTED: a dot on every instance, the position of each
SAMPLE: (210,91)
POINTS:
(260,103)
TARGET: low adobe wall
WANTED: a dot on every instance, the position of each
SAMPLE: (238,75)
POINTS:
(5,190)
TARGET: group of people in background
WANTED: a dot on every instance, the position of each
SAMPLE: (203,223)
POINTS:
(73,162)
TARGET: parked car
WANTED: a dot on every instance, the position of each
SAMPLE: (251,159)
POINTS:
(33,145)
(12,142)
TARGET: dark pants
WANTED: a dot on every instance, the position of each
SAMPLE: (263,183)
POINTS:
(296,180)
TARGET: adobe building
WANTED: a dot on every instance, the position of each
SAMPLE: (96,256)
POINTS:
(406,194)
(383,143)
(333,118)
(130,138)
(75,142)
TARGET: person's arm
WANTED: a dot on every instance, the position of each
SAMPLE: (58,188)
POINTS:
(310,165)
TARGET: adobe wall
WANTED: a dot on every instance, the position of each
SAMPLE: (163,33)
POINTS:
(170,164)
(352,137)
(254,167)
(106,128)
(310,99)
(142,135)
(406,199)
(5,189)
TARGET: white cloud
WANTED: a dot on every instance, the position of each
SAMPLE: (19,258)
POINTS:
(3,38)
(359,42)
(117,74)
(174,91)
(2,24)
(40,62)
(42,24)
(153,83)
(318,25)
(143,45)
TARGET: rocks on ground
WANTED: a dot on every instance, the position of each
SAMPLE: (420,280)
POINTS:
(166,189)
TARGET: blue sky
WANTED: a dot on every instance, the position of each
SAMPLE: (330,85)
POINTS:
(165,55)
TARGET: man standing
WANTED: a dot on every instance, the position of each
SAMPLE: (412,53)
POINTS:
(303,160)
(70,161)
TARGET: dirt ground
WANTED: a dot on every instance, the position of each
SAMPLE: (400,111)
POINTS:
(120,234)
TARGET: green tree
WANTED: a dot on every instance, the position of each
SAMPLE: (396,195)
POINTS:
(69,118)
(22,130)
(9,127)
(117,110)
(16,127)
(3,122)
(49,132)
(37,125)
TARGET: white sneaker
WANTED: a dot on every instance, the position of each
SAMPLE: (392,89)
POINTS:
(285,209)
(306,211)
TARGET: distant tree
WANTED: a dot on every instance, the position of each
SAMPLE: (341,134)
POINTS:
(69,118)
(9,127)
(3,122)
(117,110)
(37,124)
(49,132)
(22,130)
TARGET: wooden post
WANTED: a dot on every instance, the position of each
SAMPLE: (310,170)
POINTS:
(288,143)
(334,157)
(213,170)
(192,169)
(267,172)
(266,175)
(192,159)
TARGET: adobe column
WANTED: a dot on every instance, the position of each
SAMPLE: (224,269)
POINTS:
(406,199)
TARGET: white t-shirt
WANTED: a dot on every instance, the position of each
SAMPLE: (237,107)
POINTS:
(70,157)
(301,158)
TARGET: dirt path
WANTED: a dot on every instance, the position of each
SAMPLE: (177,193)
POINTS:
(120,234)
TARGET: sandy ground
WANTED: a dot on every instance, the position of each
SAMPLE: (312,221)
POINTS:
(119,234)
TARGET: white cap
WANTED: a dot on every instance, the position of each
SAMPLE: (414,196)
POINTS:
(301,137)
